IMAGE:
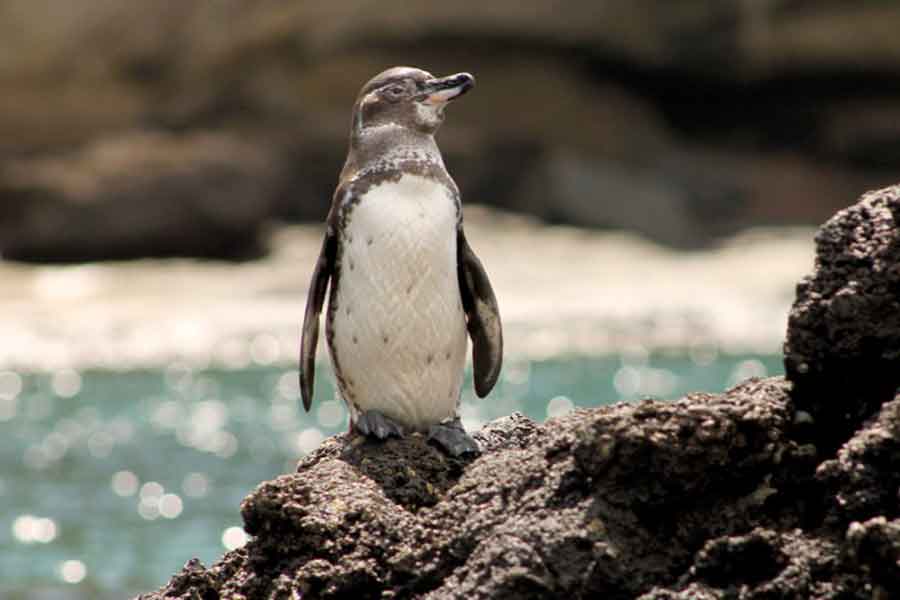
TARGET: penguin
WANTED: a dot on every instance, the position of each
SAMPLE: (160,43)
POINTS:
(405,289)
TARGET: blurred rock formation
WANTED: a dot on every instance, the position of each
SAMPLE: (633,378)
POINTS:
(681,121)
(747,494)
(202,195)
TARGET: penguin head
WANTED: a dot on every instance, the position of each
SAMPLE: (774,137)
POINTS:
(407,97)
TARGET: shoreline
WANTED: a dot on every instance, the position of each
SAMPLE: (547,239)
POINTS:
(577,290)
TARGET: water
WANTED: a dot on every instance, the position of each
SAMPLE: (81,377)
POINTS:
(111,480)
(141,401)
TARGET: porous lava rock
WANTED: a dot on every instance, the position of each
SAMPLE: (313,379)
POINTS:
(605,501)
(843,341)
(765,492)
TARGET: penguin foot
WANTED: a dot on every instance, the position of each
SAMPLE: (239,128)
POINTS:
(376,424)
(453,438)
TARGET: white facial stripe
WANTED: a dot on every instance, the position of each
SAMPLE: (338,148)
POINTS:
(370,97)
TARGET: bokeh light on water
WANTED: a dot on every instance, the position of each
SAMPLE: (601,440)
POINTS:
(113,479)
(72,571)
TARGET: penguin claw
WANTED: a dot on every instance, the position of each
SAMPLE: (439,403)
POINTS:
(373,423)
(453,438)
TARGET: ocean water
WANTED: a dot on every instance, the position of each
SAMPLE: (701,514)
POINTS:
(112,479)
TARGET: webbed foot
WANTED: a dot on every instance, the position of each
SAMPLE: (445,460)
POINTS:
(451,436)
(375,424)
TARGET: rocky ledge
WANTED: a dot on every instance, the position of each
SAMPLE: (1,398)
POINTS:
(778,488)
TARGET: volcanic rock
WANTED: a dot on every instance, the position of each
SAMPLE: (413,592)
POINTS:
(758,493)
(843,342)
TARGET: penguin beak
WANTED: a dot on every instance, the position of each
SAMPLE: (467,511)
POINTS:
(438,92)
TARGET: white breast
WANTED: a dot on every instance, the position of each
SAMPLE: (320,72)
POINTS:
(398,333)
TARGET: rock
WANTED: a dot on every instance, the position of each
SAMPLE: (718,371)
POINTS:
(570,188)
(609,501)
(695,195)
(765,564)
(714,496)
(659,500)
(708,116)
(138,195)
(843,339)
(875,546)
(865,132)
(193,582)
(863,479)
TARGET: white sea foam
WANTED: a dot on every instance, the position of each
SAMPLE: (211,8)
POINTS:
(560,289)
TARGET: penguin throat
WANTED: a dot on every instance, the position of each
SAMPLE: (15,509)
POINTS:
(386,147)
(430,115)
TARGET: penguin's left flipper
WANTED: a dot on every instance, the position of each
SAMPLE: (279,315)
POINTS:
(482,317)
(318,285)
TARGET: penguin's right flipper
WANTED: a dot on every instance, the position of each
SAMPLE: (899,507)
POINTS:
(318,285)
(482,317)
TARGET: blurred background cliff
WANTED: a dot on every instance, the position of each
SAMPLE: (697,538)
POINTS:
(146,128)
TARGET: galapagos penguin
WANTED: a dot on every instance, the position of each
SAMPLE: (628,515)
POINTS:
(405,286)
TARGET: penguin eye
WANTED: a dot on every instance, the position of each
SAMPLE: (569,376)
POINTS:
(396,91)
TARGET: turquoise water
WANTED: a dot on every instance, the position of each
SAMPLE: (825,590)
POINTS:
(111,481)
